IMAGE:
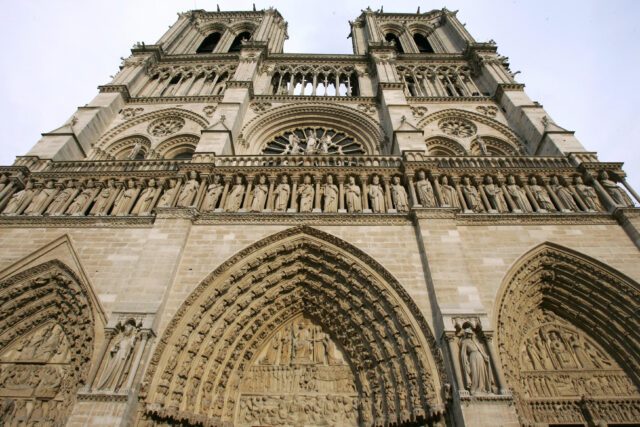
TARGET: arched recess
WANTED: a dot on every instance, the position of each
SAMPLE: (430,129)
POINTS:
(492,147)
(48,324)
(491,125)
(218,334)
(568,334)
(441,146)
(264,128)
(132,147)
(177,147)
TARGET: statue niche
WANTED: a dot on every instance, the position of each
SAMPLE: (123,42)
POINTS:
(299,377)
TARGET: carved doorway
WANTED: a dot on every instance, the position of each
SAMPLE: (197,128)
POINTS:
(299,377)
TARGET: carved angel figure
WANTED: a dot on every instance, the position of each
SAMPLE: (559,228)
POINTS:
(283,190)
(376,194)
(476,368)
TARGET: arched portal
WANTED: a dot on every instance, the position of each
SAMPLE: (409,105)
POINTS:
(46,342)
(569,337)
(322,302)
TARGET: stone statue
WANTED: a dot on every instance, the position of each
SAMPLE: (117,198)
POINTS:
(259,192)
(540,194)
(325,143)
(399,195)
(145,202)
(475,364)
(376,194)
(588,195)
(167,198)
(449,194)
(117,357)
(40,199)
(311,142)
(283,190)
(80,202)
(125,200)
(495,195)
(619,196)
(331,193)
(18,199)
(234,202)
(303,343)
(306,193)
(294,145)
(564,194)
(560,351)
(352,192)
(425,191)
(101,204)
(189,191)
(55,208)
(518,195)
(214,191)
(135,150)
(471,195)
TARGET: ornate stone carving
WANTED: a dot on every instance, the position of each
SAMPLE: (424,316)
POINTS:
(166,126)
(487,110)
(399,195)
(330,194)
(306,193)
(353,199)
(475,364)
(495,196)
(118,358)
(234,200)
(541,195)
(131,112)
(283,190)
(588,195)
(208,110)
(619,196)
(449,194)
(457,127)
(259,195)
(314,141)
(213,194)
(189,190)
(419,111)
(518,195)
(376,194)
(260,107)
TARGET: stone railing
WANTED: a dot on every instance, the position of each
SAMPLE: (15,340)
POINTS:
(320,184)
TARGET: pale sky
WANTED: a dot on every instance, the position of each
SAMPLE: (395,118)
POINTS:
(579,59)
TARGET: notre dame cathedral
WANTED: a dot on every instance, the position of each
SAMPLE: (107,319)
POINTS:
(232,235)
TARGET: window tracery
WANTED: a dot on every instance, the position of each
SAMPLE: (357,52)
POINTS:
(315,80)
(437,80)
(185,80)
(314,140)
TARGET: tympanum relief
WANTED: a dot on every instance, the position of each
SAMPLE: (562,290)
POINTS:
(300,377)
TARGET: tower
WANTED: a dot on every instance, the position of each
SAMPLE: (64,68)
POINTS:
(228,233)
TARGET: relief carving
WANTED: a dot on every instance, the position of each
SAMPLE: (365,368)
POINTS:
(118,358)
(619,196)
(399,195)
(376,194)
(425,191)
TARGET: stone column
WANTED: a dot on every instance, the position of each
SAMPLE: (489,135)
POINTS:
(294,194)
(247,197)
(412,191)
(225,193)
(450,338)
(602,193)
(341,208)
(387,194)
(436,189)
(317,178)
(365,194)
(495,365)
(272,181)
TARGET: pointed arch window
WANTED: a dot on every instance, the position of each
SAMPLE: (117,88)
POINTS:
(237,42)
(422,43)
(209,43)
(390,37)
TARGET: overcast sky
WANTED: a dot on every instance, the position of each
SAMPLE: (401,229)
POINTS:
(579,59)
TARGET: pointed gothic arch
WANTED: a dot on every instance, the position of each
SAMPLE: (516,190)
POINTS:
(218,333)
(568,333)
(48,321)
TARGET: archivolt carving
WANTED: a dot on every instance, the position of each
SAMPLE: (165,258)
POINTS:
(149,117)
(490,146)
(176,145)
(477,118)
(340,118)
(205,356)
(131,147)
(550,298)
(46,342)
(441,146)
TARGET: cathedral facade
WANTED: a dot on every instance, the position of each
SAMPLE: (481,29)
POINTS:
(232,235)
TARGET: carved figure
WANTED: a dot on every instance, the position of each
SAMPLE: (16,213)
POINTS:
(303,343)
(294,145)
(282,191)
(18,199)
(376,194)
(189,191)
(145,202)
(125,200)
(167,198)
(40,199)
(325,143)
(425,191)
(560,351)
(565,196)
(588,195)
(306,193)
(260,192)
(135,150)
(330,192)
(234,202)
(214,191)
(540,194)
(352,192)
(449,194)
(474,202)
(79,203)
(285,346)
(518,195)
(117,358)
(55,208)
(495,195)
(311,142)
(100,206)
(29,348)
(475,365)
(399,195)
(619,196)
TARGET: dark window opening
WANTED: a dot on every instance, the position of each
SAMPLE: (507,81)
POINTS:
(209,43)
(390,37)
(422,43)
(237,42)
(183,156)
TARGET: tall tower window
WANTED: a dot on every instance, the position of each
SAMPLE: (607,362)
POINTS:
(209,43)
(237,42)
(422,43)
(392,37)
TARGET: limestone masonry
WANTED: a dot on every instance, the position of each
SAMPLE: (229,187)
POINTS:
(232,235)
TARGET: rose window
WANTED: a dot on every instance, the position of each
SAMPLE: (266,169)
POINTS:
(457,127)
(313,141)
(166,126)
